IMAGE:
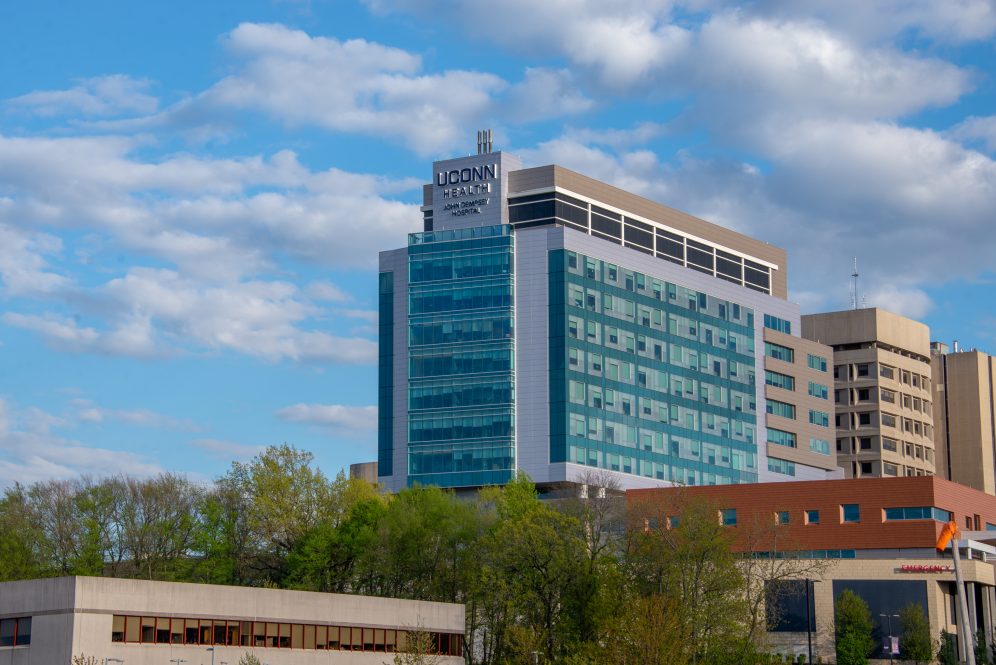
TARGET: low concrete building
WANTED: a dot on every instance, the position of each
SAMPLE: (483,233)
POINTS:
(135,622)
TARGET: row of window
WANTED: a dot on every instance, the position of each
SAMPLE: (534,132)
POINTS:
(787,411)
(860,395)
(550,208)
(850,513)
(787,354)
(264,634)
(790,440)
(858,419)
(654,289)
(864,370)
(15,632)
(682,472)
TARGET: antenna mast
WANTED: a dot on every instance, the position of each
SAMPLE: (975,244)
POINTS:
(854,285)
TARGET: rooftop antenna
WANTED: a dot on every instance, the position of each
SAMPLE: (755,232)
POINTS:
(854,285)
(484,142)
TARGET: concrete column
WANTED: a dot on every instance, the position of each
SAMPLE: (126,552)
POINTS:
(988,604)
(973,615)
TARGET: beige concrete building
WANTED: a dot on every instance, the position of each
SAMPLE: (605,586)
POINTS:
(965,416)
(882,391)
(135,622)
(798,388)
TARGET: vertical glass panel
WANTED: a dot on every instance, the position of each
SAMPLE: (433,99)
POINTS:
(148,630)
(379,640)
(321,637)
(23,637)
(259,634)
(162,630)
(356,639)
(309,637)
(190,631)
(206,634)
(272,634)
(220,632)
(176,631)
(368,639)
(297,636)
(117,628)
(335,637)
(285,637)
(8,628)
(133,629)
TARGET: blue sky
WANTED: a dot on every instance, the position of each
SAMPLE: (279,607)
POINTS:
(192,195)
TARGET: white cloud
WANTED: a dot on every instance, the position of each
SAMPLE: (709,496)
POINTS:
(977,128)
(88,412)
(115,94)
(335,416)
(24,271)
(545,93)
(30,452)
(353,86)
(911,302)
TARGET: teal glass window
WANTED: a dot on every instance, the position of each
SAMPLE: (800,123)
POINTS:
(775,323)
(781,438)
(821,446)
(385,375)
(779,380)
(819,418)
(850,513)
(667,374)
(781,409)
(781,466)
(817,362)
(812,517)
(461,425)
(917,513)
(818,390)
(782,517)
(728,516)
(779,352)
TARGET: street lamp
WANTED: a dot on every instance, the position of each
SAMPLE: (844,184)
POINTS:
(178,661)
(211,649)
(113,660)
(889,617)
(809,616)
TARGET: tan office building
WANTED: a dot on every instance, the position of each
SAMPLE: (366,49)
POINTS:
(964,408)
(882,391)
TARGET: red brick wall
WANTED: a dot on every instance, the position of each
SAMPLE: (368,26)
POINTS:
(757,503)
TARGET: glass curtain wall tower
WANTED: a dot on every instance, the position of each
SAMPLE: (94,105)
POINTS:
(548,323)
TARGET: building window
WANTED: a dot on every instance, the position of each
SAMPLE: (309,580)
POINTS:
(866,468)
(15,632)
(866,443)
(864,394)
(821,446)
(817,362)
(886,372)
(260,634)
(781,325)
(728,516)
(781,409)
(781,466)
(888,444)
(850,513)
(819,418)
(779,352)
(864,418)
(673,522)
(782,517)
(917,513)
(781,438)
(818,390)
(779,380)
(863,369)
(888,420)
(812,517)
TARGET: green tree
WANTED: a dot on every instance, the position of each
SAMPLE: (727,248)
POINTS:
(326,557)
(946,653)
(853,629)
(915,642)
(19,538)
